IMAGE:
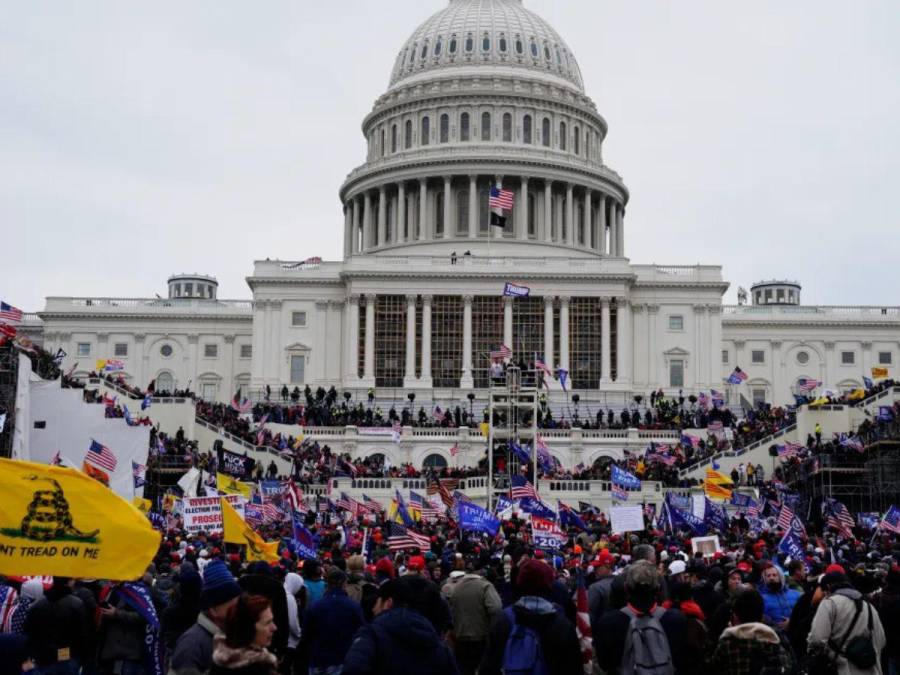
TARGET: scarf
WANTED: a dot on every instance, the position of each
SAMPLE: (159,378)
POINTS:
(138,597)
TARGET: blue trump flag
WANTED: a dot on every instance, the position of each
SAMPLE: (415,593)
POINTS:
(624,479)
(714,516)
(683,520)
(473,517)
(568,517)
(147,402)
(867,383)
(791,546)
(303,540)
(537,508)
(523,455)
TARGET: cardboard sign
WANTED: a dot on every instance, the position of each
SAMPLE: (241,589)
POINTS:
(204,514)
(708,546)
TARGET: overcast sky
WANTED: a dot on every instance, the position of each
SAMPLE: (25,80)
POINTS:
(140,139)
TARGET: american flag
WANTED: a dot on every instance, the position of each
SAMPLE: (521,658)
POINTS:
(253,514)
(7,331)
(454,450)
(807,384)
(717,397)
(401,538)
(439,414)
(788,450)
(347,503)
(371,505)
(10,313)
(101,457)
(501,353)
(702,400)
(521,488)
(785,517)
(423,506)
(271,513)
(137,473)
(501,199)
(438,487)
(583,625)
(838,517)
(8,601)
(852,442)
(540,365)
(753,509)
(891,520)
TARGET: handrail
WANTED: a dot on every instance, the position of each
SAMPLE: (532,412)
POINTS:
(737,452)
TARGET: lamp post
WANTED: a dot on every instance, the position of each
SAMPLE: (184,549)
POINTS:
(412,397)
(471,397)
(575,399)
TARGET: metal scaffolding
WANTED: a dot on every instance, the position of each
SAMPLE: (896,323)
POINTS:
(9,373)
(512,417)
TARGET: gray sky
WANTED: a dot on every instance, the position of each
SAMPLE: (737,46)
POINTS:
(141,139)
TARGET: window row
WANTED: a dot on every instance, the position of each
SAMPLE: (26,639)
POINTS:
(120,350)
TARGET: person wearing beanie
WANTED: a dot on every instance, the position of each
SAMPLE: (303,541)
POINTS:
(219,593)
(559,642)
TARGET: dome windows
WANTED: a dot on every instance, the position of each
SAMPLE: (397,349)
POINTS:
(486,43)
(485,126)
(438,46)
(464,132)
(407,135)
(451,49)
(445,128)
(562,135)
(545,132)
(426,131)
(424,51)
(470,44)
(577,142)
(502,43)
(526,129)
(546,53)
(520,48)
(393,138)
(507,128)
(534,48)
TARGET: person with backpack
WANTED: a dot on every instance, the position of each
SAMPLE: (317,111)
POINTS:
(642,637)
(750,647)
(846,636)
(533,636)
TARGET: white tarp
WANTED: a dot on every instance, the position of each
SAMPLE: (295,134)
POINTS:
(60,421)
(23,407)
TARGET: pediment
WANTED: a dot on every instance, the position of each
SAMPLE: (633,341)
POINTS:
(297,347)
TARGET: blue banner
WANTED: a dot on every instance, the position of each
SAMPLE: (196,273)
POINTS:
(138,597)
(516,291)
(503,503)
(790,545)
(304,542)
(568,518)
(683,520)
(714,516)
(627,480)
(537,508)
(473,517)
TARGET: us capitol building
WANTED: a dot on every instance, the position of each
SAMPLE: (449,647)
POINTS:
(483,93)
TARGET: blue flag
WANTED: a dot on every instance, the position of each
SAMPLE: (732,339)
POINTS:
(473,517)
(139,598)
(683,520)
(568,517)
(523,455)
(714,516)
(791,546)
(867,382)
(624,479)
(303,540)
(537,508)
(563,375)
(146,402)
(403,512)
(503,503)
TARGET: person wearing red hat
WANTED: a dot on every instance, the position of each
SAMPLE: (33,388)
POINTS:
(599,591)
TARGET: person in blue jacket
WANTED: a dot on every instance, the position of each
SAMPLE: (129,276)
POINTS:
(778,599)
(329,627)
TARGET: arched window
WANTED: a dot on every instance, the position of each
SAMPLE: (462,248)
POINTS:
(587,143)
(445,128)
(507,128)
(383,146)
(562,135)
(407,135)
(485,126)
(425,136)
(424,51)
(545,132)
(393,138)
(470,43)
(526,129)
(165,382)
(520,48)
(464,127)
(438,46)
(486,43)
(577,142)
(439,213)
(452,48)
(462,212)
(534,48)
(434,461)
(546,53)
(502,44)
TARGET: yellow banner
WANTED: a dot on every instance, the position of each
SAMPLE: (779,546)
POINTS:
(232,486)
(237,531)
(60,522)
(879,373)
(717,478)
(100,365)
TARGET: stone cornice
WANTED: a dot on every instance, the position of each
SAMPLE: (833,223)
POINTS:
(730,321)
(123,316)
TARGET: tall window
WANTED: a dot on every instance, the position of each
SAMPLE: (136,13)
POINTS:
(446,340)
(577,141)
(507,128)
(426,131)
(485,126)
(562,135)
(532,214)
(676,373)
(464,127)
(585,317)
(545,132)
(390,340)
(383,146)
(439,213)
(389,221)
(487,333)
(394,138)
(445,128)
(484,210)
(298,369)
(526,129)
(528,327)
(407,135)
(462,212)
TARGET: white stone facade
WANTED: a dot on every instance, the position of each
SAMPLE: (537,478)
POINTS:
(483,93)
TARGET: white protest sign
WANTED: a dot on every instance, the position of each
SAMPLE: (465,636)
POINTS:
(698,505)
(204,514)
(626,519)
(708,546)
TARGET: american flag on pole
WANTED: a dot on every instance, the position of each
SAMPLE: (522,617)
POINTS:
(371,505)
(347,503)
(501,199)
(101,457)
(10,313)
(540,365)
(521,488)
(807,384)
(891,520)
(785,517)
(423,506)
(838,517)
(401,538)
(583,625)
(501,353)
(454,450)
(438,487)
(8,602)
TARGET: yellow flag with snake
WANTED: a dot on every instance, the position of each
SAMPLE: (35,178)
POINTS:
(237,531)
(60,522)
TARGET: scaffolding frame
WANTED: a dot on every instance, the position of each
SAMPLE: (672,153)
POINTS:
(9,374)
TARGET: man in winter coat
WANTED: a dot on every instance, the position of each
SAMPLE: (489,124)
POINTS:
(56,628)
(474,604)
(749,645)
(329,627)
(124,631)
(400,641)
(559,643)
(779,600)
(834,619)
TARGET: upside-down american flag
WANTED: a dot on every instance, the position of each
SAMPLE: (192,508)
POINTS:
(401,538)
(101,457)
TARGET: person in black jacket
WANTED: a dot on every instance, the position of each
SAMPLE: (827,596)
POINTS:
(559,643)
(261,581)
(182,614)
(56,628)
(401,640)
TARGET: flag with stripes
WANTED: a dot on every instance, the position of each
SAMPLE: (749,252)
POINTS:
(583,625)
(807,384)
(521,488)
(438,487)
(10,313)
(540,365)
(785,517)
(454,450)
(8,601)
(401,538)
(423,506)
(891,520)
(101,457)
(737,376)
(371,505)
(838,517)
(501,353)
(137,472)
(718,398)
(347,503)
(499,201)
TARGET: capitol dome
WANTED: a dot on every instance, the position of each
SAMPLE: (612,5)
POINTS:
(500,34)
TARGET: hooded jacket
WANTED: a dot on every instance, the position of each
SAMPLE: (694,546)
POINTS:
(743,649)
(559,643)
(329,629)
(399,642)
(778,605)
(834,617)
(292,585)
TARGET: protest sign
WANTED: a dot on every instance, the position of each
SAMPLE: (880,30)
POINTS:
(204,514)
(708,546)
(626,519)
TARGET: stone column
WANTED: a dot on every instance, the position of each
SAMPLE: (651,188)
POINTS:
(605,343)
(830,366)
(699,310)
(522,209)
(548,215)
(357,225)
(400,235)
(467,379)
(367,222)
(601,226)
(624,342)
(620,239)
(409,375)
(369,364)
(564,332)
(258,342)
(426,380)
(778,394)
(570,217)
(508,323)
(548,331)
(382,217)
(473,206)
(348,226)
(139,369)
(319,352)
(351,330)
(652,357)
(449,230)
(613,229)
(190,378)
(588,218)
(277,343)
(423,207)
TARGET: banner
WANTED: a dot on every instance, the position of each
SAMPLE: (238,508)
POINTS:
(516,291)
(235,465)
(57,521)
(879,373)
(546,534)
(624,479)
(537,508)
(626,519)
(237,531)
(229,485)
(204,514)
(475,518)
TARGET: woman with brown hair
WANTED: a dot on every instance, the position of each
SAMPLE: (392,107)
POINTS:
(248,631)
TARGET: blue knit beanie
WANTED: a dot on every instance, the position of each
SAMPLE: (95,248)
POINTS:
(218,585)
